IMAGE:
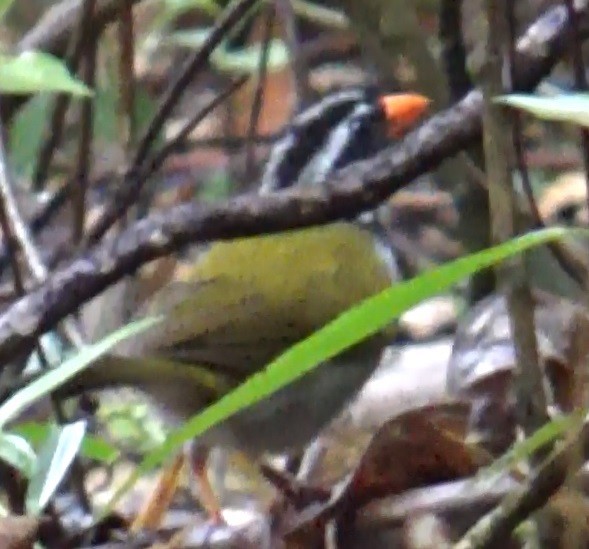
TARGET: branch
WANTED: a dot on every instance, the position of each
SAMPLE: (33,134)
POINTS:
(361,186)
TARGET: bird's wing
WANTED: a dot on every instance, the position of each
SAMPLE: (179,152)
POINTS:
(216,322)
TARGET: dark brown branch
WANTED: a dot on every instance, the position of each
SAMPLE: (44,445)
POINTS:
(81,40)
(258,100)
(453,53)
(300,66)
(7,210)
(79,185)
(362,186)
(127,78)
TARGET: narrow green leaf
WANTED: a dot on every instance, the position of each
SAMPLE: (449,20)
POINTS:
(33,72)
(369,317)
(92,447)
(524,449)
(50,381)
(55,458)
(16,451)
(567,107)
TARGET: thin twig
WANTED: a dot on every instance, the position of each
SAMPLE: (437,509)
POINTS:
(127,89)
(126,34)
(81,39)
(453,49)
(259,93)
(79,184)
(525,298)
(505,224)
(299,65)
(154,164)
(41,219)
(8,236)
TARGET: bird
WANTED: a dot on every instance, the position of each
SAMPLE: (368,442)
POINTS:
(245,301)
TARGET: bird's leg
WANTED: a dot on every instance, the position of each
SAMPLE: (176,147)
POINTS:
(151,515)
(198,457)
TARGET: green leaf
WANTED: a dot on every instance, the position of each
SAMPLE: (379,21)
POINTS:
(247,60)
(188,38)
(26,133)
(5,5)
(217,187)
(351,327)
(92,447)
(321,15)
(51,380)
(566,107)
(174,8)
(33,71)
(145,108)
(16,451)
(55,458)
(106,108)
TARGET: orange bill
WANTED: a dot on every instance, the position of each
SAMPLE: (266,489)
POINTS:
(403,110)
